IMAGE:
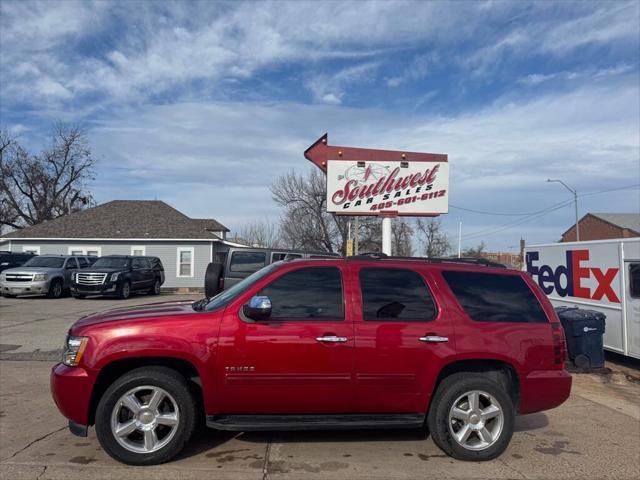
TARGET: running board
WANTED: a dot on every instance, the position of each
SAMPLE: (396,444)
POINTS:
(254,423)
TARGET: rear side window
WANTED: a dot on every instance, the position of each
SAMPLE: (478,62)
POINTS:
(390,294)
(277,256)
(488,297)
(247,262)
(156,264)
(313,293)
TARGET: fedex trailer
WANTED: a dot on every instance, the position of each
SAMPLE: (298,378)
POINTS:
(602,275)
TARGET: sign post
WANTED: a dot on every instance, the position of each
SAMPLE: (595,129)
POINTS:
(384,183)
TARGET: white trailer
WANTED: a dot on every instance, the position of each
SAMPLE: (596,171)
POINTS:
(601,275)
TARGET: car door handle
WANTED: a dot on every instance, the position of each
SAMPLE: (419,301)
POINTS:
(434,339)
(331,339)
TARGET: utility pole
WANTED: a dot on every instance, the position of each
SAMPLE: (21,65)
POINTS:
(386,235)
(459,239)
(356,235)
(575,201)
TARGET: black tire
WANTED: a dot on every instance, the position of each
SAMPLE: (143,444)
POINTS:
(55,289)
(170,381)
(212,279)
(452,388)
(155,290)
(125,290)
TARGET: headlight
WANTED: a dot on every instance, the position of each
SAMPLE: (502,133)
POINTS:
(40,277)
(114,276)
(73,350)
(73,275)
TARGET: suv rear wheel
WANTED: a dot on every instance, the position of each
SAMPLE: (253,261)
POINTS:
(125,290)
(146,416)
(471,417)
(155,290)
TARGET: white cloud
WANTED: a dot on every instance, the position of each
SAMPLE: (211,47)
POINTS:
(330,88)
(218,159)
(417,70)
(154,47)
(587,74)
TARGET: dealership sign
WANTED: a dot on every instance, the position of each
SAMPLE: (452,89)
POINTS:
(375,187)
(367,181)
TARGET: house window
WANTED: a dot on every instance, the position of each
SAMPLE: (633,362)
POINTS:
(87,251)
(184,264)
(138,250)
(31,249)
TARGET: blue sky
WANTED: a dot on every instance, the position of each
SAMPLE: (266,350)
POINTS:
(204,104)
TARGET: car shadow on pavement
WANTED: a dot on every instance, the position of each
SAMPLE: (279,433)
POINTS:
(204,440)
(365,435)
(533,421)
(209,439)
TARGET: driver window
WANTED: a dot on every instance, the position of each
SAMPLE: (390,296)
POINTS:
(313,293)
(71,263)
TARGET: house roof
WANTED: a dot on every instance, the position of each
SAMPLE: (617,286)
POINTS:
(125,219)
(629,221)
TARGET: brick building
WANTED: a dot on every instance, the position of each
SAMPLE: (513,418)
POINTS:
(601,226)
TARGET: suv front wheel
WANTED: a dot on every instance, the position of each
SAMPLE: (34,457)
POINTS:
(146,416)
(471,417)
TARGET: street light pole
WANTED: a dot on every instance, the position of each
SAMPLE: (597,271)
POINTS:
(575,201)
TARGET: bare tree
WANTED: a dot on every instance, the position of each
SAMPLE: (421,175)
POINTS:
(401,238)
(39,187)
(475,252)
(305,223)
(434,240)
(259,234)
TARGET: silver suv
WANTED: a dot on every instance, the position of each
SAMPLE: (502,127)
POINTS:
(42,275)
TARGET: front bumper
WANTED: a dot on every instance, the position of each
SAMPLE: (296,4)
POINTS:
(71,389)
(544,390)
(107,288)
(25,288)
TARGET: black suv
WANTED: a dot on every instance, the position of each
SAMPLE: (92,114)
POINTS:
(119,276)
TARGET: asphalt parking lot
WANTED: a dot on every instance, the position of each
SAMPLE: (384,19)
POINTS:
(595,434)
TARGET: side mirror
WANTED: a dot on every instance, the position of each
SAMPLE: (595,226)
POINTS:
(258,308)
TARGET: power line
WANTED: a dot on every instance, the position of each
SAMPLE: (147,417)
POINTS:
(540,213)
(483,212)
(535,216)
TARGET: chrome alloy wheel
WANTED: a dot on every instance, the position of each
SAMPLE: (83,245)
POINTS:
(476,420)
(145,419)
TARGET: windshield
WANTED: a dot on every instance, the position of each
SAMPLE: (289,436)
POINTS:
(224,297)
(111,262)
(47,262)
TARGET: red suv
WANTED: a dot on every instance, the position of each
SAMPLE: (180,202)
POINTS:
(321,344)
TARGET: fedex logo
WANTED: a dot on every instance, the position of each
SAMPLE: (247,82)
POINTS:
(574,271)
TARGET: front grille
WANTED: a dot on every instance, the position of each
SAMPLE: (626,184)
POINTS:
(91,278)
(19,277)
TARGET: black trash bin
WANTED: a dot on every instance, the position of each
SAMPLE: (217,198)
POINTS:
(583,330)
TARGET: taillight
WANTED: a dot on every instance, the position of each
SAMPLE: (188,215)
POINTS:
(221,284)
(559,344)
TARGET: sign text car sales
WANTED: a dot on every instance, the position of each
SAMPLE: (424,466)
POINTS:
(371,188)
